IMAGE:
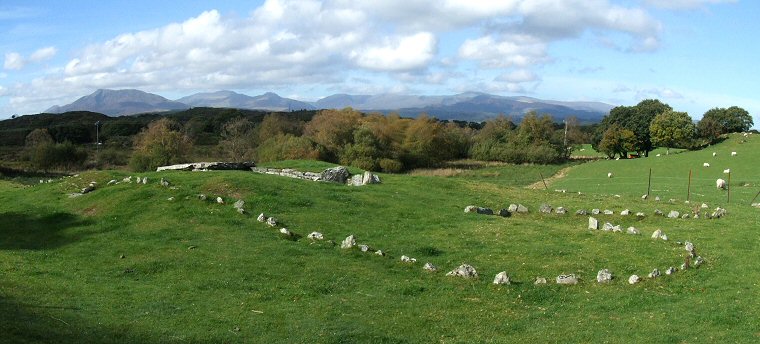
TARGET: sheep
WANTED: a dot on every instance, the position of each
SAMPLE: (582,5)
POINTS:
(727,171)
(720,184)
(714,154)
(609,174)
(733,153)
(706,165)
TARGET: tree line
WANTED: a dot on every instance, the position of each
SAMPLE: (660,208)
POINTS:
(651,124)
(375,142)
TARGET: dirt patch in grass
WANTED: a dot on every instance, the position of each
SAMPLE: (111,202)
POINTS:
(559,175)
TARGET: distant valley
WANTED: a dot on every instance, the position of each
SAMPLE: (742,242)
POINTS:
(470,106)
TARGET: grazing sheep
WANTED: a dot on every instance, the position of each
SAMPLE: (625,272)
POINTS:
(714,154)
(720,184)
(609,174)
(733,153)
(727,171)
(706,165)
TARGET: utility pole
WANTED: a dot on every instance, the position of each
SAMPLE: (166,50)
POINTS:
(97,136)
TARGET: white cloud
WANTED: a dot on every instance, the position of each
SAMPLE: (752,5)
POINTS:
(43,54)
(14,61)
(401,54)
(518,76)
(505,51)
(685,4)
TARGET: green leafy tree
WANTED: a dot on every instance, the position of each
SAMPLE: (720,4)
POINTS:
(637,119)
(709,129)
(672,129)
(617,141)
(731,120)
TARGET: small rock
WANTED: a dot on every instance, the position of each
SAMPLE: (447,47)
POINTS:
(127,179)
(560,211)
(698,261)
(645,196)
(640,215)
(202,197)
(689,248)
(632,230)
(315,236)
(595,211)
(406,259)
(607,227)
(685,216)
(539,280)
(380,253)
(512,208)
(164,182)
(170,199)
(718,213)
(671,270)
(502,278)
(593,223)
(657,198)
(122,256)
(348,242)
(470,209)
(625,212)
(658,212)
(657,234)
(654,274)
(603,276)
(145,180)
(112,182)
(704,206)
(271,221)
(464,270)
(239,204)
(261,218)
(485,211)
(286,232)
(364,248)
(567,279)
(545,209)
(219,200)
(522,209)
(581,212)
(634,279)
(430,267)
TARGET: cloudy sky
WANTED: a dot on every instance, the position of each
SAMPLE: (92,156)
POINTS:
(692,54)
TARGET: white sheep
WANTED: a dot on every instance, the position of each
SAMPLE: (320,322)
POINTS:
(706,165)
(720,184)
(714,154)
(733,153)
(609,174)
(727,171)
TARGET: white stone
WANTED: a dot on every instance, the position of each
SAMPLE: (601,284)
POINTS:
(219,200)
(706,164)
(464,270)
(657,234)
(271,221)
(430,267)
(406,259)
(593,223)
(349,242)
(539,280)
(315,236)
(285,231)
(671,270)
(603,276)
(654,274)
(625,212)
(634,279)
(733,153)
(567,279)
(502,278)
(261,218)
(632,231)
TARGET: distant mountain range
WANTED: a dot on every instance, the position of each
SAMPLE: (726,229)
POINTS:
(470,106)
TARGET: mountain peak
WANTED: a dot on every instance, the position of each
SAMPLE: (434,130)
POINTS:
(119,103)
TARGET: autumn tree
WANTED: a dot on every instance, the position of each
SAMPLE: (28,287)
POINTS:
(672,129)
(161,143)
(333,130)
(237,139)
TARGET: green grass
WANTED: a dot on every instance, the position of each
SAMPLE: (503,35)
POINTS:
(196,271)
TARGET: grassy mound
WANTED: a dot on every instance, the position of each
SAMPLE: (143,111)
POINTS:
(125,263)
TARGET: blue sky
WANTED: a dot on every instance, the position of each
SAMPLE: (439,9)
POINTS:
(691,54)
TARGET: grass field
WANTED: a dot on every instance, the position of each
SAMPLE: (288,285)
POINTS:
(197,271)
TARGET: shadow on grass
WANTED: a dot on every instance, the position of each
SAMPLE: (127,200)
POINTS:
(31,232)
(34,323)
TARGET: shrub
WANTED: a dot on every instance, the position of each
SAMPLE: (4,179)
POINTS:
(391,165)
